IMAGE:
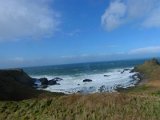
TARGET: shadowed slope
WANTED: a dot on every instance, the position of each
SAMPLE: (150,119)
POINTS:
(15,84)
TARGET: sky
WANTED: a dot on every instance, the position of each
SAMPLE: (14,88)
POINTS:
(49,32)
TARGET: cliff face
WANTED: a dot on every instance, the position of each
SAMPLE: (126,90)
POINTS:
(16,85)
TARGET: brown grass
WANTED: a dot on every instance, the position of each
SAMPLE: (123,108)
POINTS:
(115,106)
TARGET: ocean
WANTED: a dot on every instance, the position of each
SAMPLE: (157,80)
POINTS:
(105,76)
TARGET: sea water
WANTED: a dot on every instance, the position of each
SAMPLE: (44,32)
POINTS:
(105,76)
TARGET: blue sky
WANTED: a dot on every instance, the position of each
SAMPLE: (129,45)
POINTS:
(46,32)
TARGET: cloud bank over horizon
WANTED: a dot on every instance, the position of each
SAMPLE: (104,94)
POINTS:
(143,13)
(21,19)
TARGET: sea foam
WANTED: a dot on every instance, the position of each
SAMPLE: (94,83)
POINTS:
(101,82)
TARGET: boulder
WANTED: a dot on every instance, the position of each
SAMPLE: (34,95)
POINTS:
(87,80)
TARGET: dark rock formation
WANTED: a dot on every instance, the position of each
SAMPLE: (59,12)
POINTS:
(44,81)
(87,80)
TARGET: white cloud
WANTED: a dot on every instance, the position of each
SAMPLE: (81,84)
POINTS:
(27,18)
(113,16)
(146,50)
(142,12)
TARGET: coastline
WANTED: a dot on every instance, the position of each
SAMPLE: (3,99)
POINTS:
(99,106)
(22,79)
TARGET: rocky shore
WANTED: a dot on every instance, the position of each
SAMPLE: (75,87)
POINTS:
(147,74)
(15,84)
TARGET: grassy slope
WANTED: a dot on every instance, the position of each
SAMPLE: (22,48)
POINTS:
(139,103)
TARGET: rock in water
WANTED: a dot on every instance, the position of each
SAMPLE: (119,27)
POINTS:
(87,80)
(57,79)
(106,75)
(52,82)
(44,81)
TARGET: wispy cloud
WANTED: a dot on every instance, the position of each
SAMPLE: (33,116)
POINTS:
(146,50)
(144,13)
(27,18)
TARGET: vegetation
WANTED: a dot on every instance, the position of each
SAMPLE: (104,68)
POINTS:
(85,107)
(151,72)
(139,103)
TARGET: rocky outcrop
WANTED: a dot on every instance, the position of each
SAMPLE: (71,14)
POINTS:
(52,82)
(44,81)
(17,75)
